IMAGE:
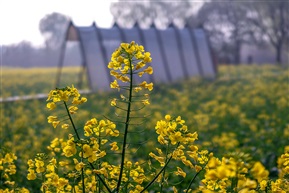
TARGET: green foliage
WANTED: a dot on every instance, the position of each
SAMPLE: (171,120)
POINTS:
(242,115)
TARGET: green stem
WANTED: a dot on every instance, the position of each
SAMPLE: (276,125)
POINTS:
(82,179)
(98,165)
(191,182)
(98,186)
(74,183)
(43,180)
(235,182)
(126,128)
(102,181)
(82,172)
(164,172)
(128,176)
(70,118)
(153,180)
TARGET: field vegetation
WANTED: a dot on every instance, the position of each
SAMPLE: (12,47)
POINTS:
(239,120)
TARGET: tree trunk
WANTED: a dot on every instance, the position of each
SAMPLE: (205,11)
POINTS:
(237,51)
(279,54)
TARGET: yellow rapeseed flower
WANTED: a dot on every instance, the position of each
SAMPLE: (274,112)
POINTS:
(113,102)
(180,172)
(64,126)
(31,174)
(176,137)
(70,149)
(72,109)
(55,123)
(51,105)
(87,151)
(259,172)
(52,118)
(149,70)
(114,84)
(114,146)
(146,102)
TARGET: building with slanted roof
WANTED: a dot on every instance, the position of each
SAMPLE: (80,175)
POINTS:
(177,53)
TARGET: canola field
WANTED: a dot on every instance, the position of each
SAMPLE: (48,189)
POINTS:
(241,120)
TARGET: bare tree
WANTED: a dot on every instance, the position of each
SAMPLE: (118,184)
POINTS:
(52,27)
(161,13)
(271,20)
(227,26)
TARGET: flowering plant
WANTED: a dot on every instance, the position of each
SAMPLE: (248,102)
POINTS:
(99,156)
(82,163)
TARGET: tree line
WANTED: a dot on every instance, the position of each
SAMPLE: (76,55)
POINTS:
(24,54)
(229,25)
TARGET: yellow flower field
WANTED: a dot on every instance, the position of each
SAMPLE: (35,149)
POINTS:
(224,135)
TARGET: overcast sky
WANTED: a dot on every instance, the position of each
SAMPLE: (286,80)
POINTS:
(19,19)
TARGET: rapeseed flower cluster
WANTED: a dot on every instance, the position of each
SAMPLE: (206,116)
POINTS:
(95,157)
(281,184)
(79,162)
(45,169)
(232,175)
(128,60)
(177,144)
(63,96)
(283,163)
(7,170)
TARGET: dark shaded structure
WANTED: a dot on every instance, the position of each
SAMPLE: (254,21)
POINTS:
(177,53)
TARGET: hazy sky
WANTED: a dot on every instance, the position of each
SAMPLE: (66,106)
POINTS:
(19,19)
